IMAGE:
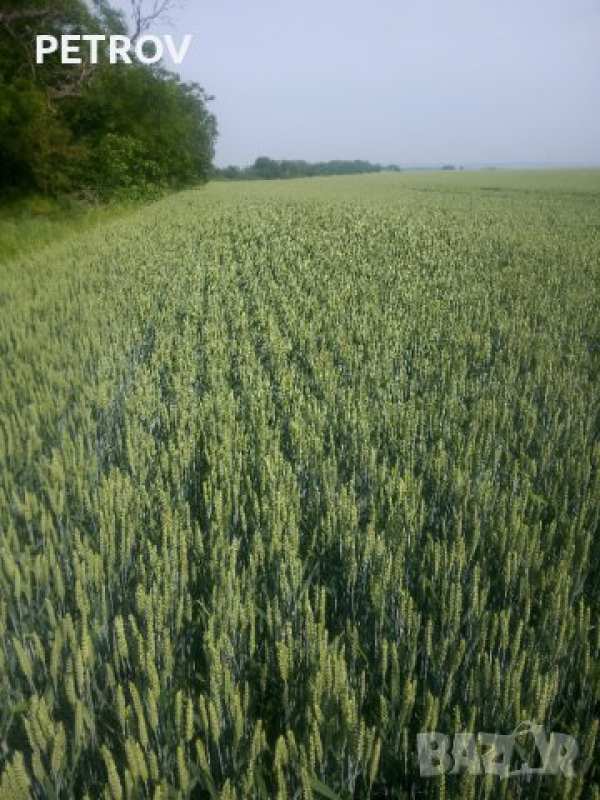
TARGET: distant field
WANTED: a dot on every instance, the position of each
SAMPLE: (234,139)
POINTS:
(292,471)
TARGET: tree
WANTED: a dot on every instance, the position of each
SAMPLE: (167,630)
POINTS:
(146,12)
(266,168)
(102,127)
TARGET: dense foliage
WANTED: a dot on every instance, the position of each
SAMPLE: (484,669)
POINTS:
(93,129)
(268,169)
(290,472)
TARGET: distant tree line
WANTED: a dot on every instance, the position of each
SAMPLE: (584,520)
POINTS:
(97,129)
(269,169)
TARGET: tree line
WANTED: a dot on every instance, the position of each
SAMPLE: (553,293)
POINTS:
(93,129)
(265,168)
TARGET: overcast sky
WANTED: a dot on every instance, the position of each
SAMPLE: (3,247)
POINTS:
(404,81)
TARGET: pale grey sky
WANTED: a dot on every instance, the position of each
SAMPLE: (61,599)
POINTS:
(404,81)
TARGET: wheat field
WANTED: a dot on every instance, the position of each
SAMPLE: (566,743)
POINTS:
(293,471)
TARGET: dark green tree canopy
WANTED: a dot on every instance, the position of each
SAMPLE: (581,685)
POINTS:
(99,128)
